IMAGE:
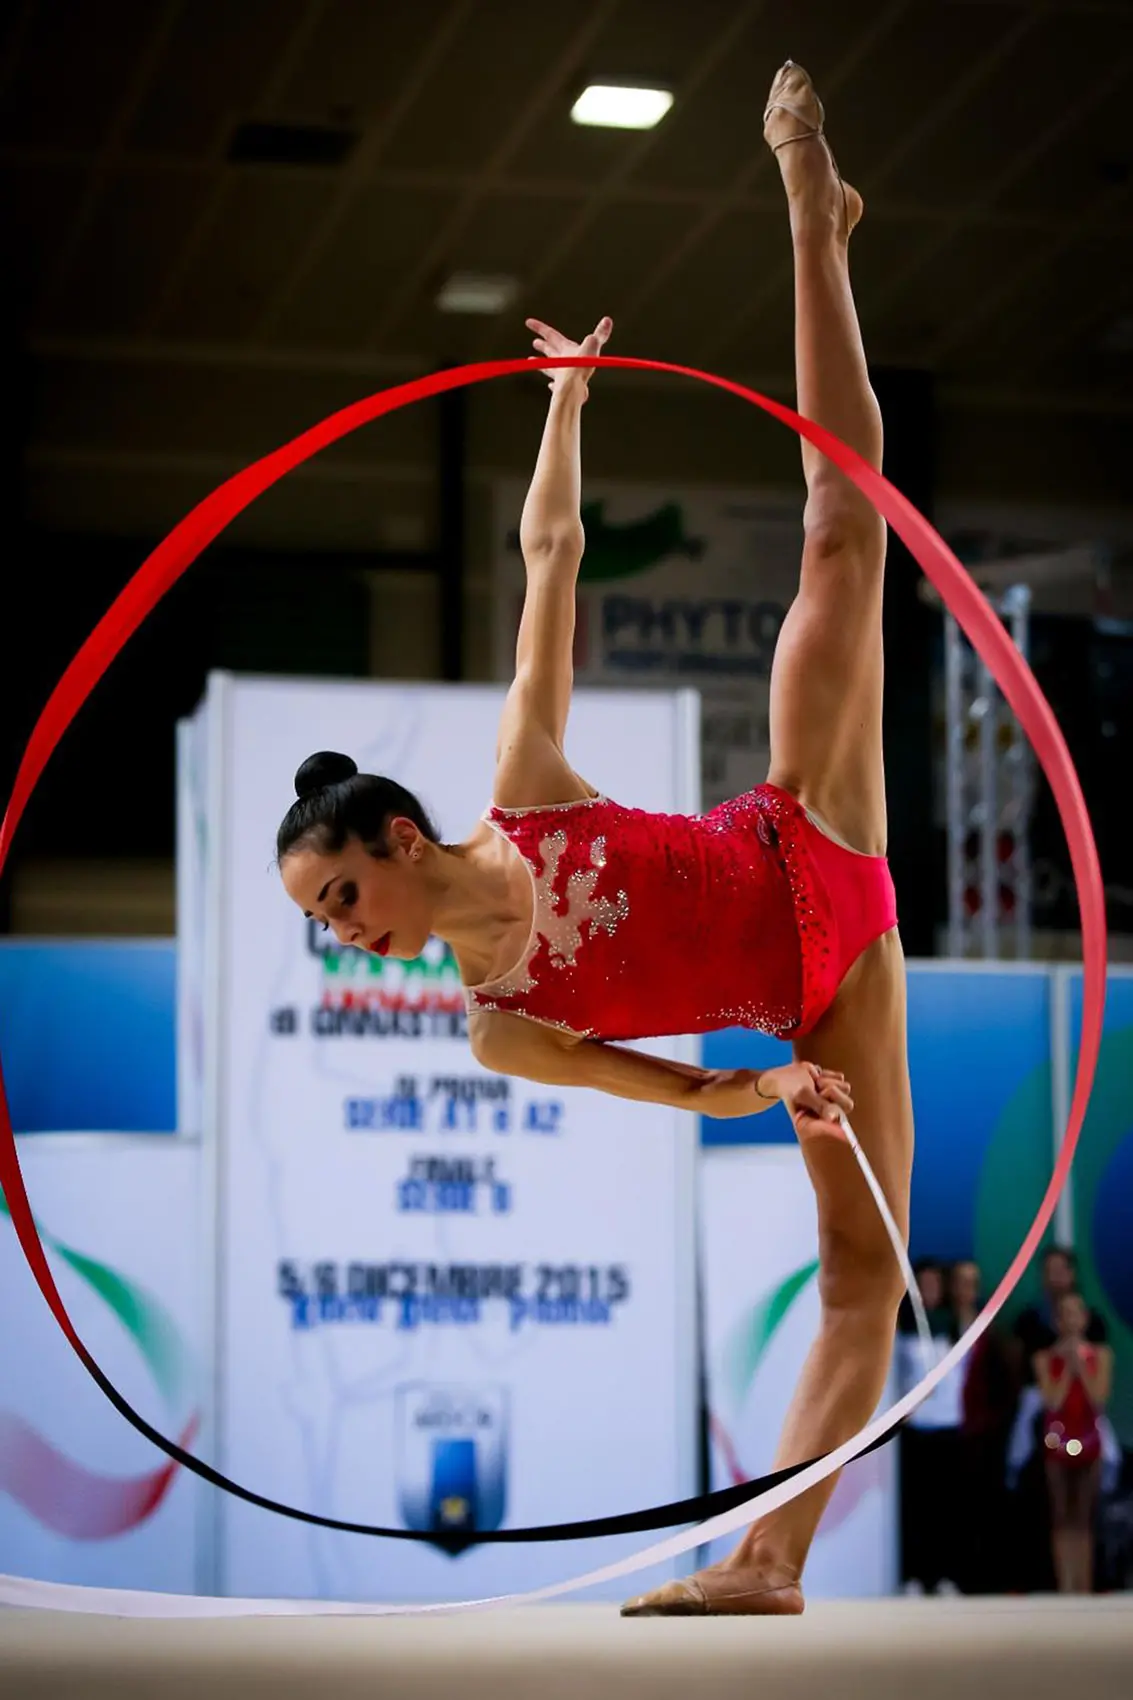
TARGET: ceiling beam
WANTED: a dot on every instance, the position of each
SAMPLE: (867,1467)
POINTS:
(360,168)
(616,186)
(232,356)
(993,398)
(1097,88)
(568,61)
(1063,8)
(213,467)
(101,168)
(1101,310)
(17,35)
(994,298)
(365,364)
(549,188)
(184,265)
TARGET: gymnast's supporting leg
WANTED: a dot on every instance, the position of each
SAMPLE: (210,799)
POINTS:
(826,698)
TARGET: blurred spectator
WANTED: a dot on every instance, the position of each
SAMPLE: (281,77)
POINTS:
(1074,1377)
(930,1445)
(1035,1331)
(1035,1328)
(988,1405)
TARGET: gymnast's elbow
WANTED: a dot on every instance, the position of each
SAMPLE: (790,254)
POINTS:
(510,1044)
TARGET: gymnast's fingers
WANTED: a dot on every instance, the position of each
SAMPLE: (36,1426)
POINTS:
(835,1092)
(548,332)
(819,1122)
(810,1102)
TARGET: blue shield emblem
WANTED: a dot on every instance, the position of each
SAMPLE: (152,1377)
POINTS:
(452,1460)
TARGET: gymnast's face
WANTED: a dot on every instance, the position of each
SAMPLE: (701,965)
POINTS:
(378,903)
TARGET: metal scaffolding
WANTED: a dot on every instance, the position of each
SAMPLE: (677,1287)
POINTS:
(990,798)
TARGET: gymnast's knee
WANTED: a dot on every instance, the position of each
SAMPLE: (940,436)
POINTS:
(860,1281)
(840,525)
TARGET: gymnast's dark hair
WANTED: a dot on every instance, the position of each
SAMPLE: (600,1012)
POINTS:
(334,802)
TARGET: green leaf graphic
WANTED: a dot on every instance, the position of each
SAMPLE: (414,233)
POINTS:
(139,1312)
(751,1336)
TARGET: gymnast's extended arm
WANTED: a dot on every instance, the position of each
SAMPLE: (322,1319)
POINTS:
(512,1044)
(531,767)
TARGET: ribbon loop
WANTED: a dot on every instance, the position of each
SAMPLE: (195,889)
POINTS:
(959,593)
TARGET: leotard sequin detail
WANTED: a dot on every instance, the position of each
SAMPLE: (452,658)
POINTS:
(649,924)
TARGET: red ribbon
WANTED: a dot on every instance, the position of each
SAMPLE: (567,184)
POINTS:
(199,528)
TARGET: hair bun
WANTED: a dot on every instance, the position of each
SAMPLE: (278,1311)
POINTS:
(326,767)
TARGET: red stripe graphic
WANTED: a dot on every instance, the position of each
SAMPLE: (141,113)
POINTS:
(69,1499)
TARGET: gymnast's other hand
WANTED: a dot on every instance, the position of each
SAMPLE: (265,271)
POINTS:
(814,1098)
(549,341)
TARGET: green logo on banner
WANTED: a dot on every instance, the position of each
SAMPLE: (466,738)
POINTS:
(622,550)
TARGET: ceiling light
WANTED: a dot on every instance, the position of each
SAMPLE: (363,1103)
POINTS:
(621,106)
(474,292)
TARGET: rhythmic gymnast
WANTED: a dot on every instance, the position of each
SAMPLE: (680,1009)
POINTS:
(566,910)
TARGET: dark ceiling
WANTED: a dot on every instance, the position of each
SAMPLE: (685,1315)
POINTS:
(291,180)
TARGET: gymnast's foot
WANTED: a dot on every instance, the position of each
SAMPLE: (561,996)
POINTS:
(729,1589)
(794,130)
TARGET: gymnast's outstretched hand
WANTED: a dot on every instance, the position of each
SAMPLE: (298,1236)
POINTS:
(550,341)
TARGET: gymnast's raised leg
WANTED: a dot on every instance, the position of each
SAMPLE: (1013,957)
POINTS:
(826,696)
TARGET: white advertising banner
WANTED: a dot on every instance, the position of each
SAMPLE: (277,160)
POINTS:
(83,1497)
(677,588)
(759,1238)
(448,1300)
(192,864)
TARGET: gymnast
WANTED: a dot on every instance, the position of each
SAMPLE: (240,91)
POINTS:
(566,910)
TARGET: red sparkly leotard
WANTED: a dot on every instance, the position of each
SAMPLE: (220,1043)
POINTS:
(649,924)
